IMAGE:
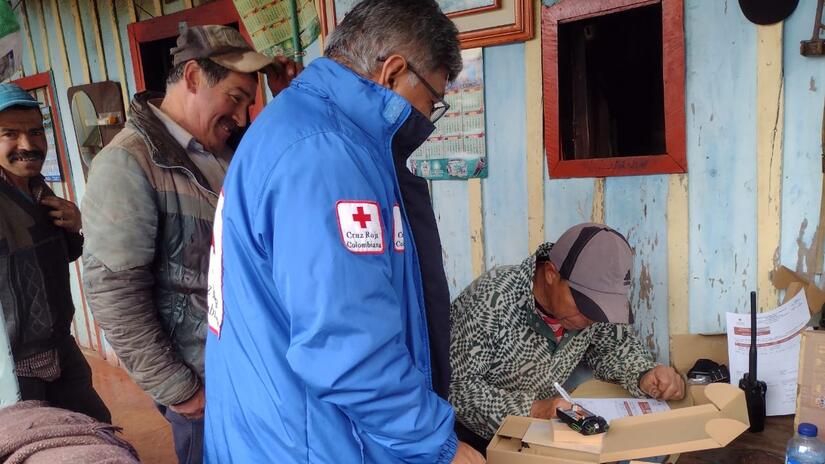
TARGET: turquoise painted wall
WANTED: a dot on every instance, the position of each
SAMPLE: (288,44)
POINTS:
(801,166)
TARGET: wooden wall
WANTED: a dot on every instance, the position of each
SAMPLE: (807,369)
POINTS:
(703,240)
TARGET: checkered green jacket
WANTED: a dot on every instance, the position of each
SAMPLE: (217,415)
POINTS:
(504,357)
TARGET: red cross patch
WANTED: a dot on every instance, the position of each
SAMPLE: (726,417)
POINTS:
(360,225)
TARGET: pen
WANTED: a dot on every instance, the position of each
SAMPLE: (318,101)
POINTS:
(561,391)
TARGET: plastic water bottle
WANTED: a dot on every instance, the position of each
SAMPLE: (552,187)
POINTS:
(805,447)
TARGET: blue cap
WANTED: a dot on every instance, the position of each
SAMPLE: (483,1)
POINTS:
(807,430)
(12,95)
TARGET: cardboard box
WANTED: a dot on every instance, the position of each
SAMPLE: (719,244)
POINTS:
(810,397)
(685,349)
(788,280)
(683,429)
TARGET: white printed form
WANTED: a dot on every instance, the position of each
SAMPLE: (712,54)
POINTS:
(616,408)
(778,338)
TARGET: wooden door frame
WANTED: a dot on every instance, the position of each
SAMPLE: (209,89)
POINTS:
(44,81)
(220,12)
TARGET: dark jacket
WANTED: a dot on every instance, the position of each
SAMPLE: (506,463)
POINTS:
(416,195)
(148,215)
(34,274)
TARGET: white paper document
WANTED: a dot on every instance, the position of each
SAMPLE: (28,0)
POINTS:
(778,337)
(616,408)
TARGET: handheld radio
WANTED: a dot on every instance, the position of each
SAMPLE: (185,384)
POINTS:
(754,389)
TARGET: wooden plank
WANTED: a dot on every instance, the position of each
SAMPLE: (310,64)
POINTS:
(111,47)
(801,168)
(41,44)
(158,7)
(567,202)
(535,139)
(79,53)
(505,191)
(116,33)
(175,6)
(637,207)
(132,11)
(125,11)
(476,223)
(598,201)
(769,127)
(92,29)
(450,199)
(29,62)
(721,52)
(57,26)
(678,255)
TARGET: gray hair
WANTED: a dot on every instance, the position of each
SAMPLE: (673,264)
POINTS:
(415,29)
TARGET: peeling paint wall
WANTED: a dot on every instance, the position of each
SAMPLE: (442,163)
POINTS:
(801,165)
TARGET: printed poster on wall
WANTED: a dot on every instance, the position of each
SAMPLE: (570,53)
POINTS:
(10,45)
(51,167)
(458,149)
(269,23)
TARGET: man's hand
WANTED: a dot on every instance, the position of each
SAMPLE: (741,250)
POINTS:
(465,454)
(546,409)
(663,383)
(280,73)
(193,407)
(64,212)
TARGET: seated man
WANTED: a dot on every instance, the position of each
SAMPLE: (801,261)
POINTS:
(518,329)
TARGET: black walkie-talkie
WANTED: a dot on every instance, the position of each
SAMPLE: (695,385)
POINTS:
(754,389)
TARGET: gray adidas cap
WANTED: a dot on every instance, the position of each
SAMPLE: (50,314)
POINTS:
(596,261)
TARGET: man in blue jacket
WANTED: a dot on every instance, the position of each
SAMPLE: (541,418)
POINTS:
(319,349)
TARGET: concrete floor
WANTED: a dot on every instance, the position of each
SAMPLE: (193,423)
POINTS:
(132,409)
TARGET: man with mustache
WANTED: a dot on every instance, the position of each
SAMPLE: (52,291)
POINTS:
(518,329)
(149,206)
(39,237)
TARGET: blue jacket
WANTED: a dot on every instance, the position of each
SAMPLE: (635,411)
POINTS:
(319,349)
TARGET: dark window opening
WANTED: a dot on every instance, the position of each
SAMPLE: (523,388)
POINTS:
(157,62)
(611,85)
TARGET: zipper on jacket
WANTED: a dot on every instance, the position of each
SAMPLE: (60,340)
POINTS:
(189,174)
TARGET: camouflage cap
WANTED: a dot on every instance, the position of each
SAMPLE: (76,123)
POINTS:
(221,44)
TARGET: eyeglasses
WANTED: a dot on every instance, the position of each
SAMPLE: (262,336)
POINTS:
(440,107)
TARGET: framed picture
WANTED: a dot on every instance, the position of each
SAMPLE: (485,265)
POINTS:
(480,23)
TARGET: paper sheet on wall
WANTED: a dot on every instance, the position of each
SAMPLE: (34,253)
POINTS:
(616,408)
(458,147)
(778,335)
(51,166)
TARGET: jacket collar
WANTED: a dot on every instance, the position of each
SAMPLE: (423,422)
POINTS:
(376,110)
(164,149)
(526,271)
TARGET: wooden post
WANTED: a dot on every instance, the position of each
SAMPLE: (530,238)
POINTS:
(296,33)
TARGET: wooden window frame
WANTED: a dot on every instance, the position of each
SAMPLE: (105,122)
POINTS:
(674,159)
(163,27)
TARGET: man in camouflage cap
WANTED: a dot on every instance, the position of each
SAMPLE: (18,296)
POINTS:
(149,207)
(518,329)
